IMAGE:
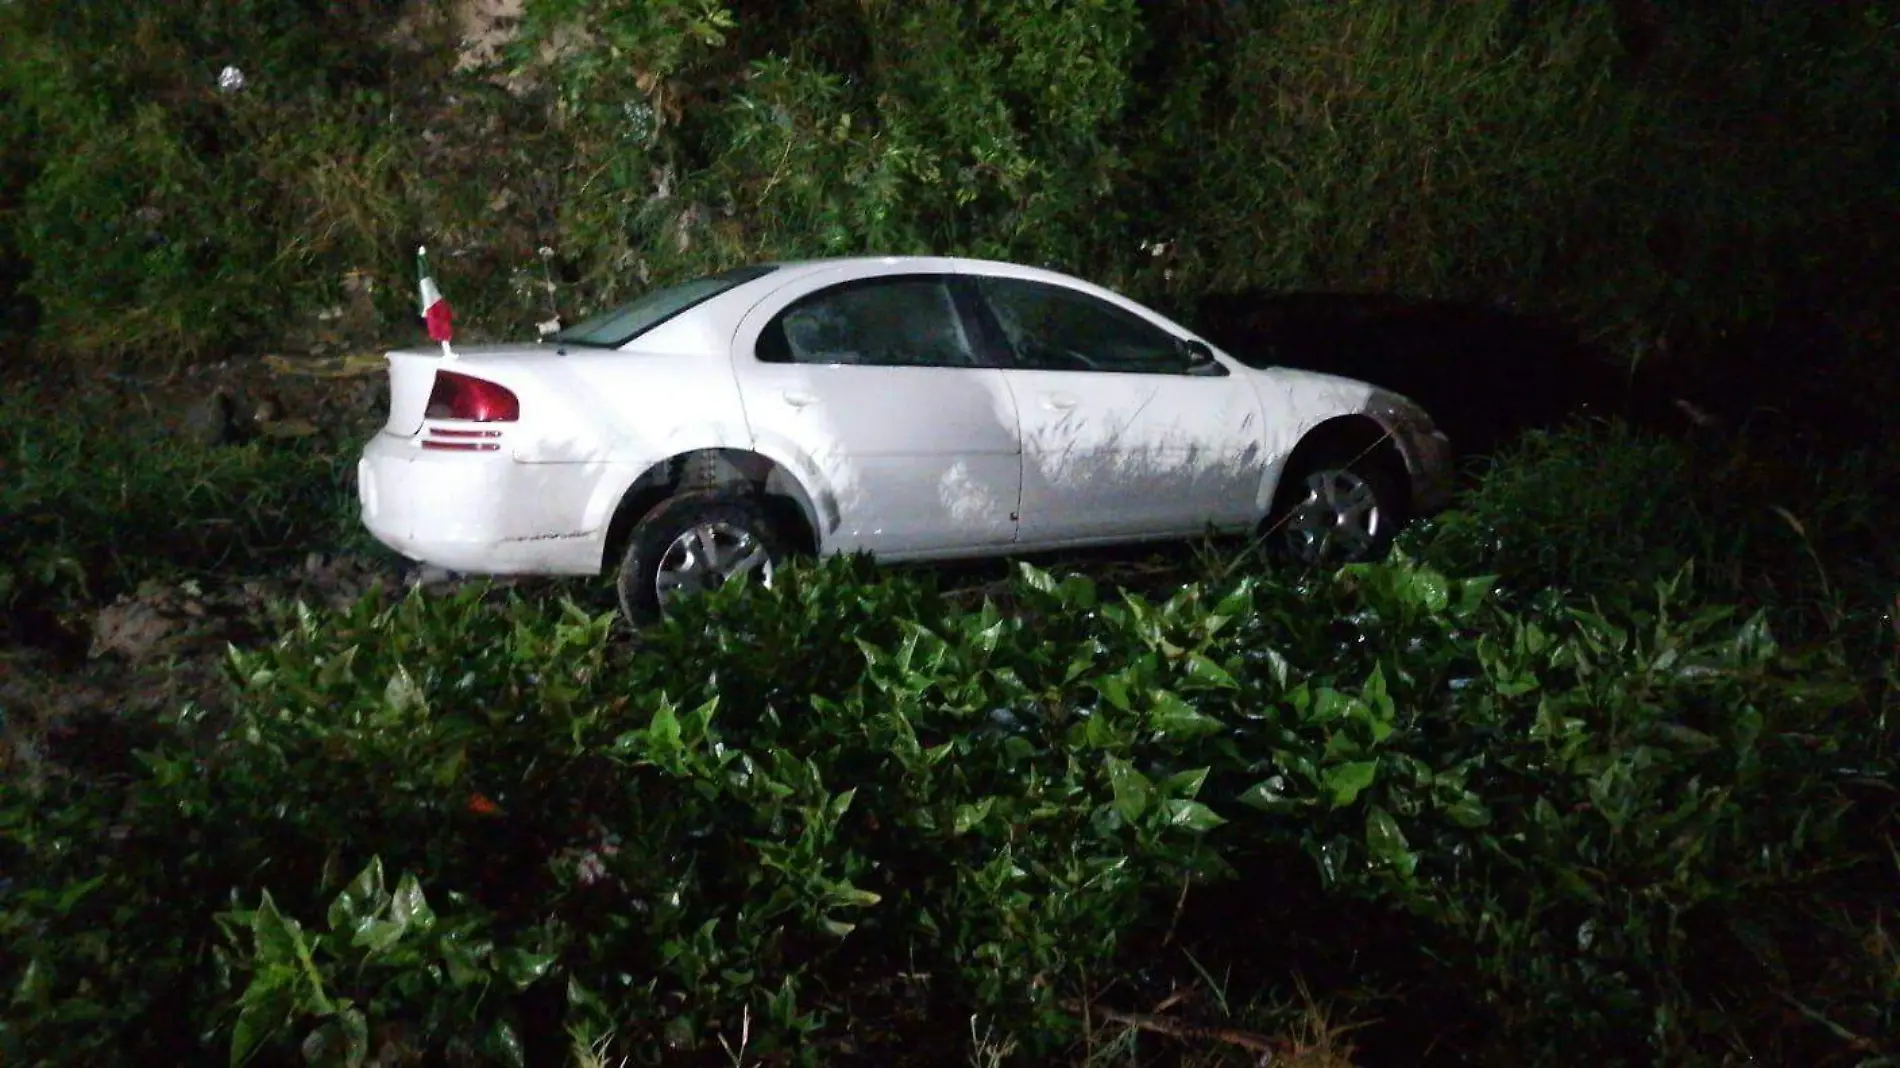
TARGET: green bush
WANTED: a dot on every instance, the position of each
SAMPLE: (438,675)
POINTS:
(1591,508)
(175,218)
(89,509)
(999,129)
(1735,214)
(17,165)
(1442,149)
(1603,511)
(773,808)
(1550,155)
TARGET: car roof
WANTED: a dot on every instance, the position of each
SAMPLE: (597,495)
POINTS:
(986,266)
(707,325)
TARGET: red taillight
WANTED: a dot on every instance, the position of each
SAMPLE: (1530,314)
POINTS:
(473,400)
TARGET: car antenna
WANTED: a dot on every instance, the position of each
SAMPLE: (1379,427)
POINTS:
(553,324)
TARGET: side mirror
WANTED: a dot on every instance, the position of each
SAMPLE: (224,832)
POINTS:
(1200,359)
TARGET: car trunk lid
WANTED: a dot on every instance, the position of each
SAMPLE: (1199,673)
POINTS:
(412,378)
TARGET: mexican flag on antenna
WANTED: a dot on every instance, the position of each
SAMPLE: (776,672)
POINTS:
(435,310)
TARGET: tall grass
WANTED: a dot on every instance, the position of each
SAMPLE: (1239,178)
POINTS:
(1594,508)
(1543,154)
(92,502)
(1439,149)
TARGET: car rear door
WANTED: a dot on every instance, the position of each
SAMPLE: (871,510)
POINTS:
(1124,433)
(868,377)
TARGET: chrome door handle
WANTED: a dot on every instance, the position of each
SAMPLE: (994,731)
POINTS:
(797,399)
(1058,402)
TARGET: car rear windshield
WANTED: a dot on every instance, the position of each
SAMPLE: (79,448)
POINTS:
(615,327)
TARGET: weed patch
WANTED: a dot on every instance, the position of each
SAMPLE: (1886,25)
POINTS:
(93,503)
(1598,509)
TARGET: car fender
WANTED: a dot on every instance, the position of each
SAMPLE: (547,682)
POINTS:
(820,494)
(1294,403)
(1299,402)
(624,473)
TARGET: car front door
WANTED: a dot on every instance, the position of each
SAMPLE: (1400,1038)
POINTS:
(1127,432)
(872,381)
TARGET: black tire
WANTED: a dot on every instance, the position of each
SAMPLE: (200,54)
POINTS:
(655,535)
(1291,530)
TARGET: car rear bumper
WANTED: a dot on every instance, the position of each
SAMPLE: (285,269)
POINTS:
(485,513)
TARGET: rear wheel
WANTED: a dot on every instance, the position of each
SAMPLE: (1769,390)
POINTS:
(1339,507)
(693,543)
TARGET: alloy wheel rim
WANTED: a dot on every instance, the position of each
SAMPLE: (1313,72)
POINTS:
(1339,519)
(707,556)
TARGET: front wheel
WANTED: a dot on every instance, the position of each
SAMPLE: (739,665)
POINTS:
(1339,508)
(693,543)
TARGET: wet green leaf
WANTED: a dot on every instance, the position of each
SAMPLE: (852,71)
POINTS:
(1427,589)
(1375,700)
(33,986)
(1100,733)
(1132,790)
(1035,578)
(72,894)
(663,732)
(1205,671)
(1185,783)
(402,695)
(698,722)
(409,908)
(279,939)
(1077,593)
(377,936)
(681,1033)
(1239,601)
(844,895)
(336,670)
(1386,842)
(1192,815)
(969,815)
(1330,704)
(1173,717)
(262,1015)
(987,639)
(520,968)
(585,1006)
(839,804)
(465,960)
(448,769)
(1345,781)
(364,896)
(1468,595)
(1468,811)
(503,1043)
(1268,795)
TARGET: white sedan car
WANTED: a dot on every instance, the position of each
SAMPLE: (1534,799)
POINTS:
(912,408)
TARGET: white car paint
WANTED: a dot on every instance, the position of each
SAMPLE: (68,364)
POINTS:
(919,459)
(904,462)
(1110,456)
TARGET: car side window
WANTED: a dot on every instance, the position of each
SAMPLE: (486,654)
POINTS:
(1055,328)
(876,322)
